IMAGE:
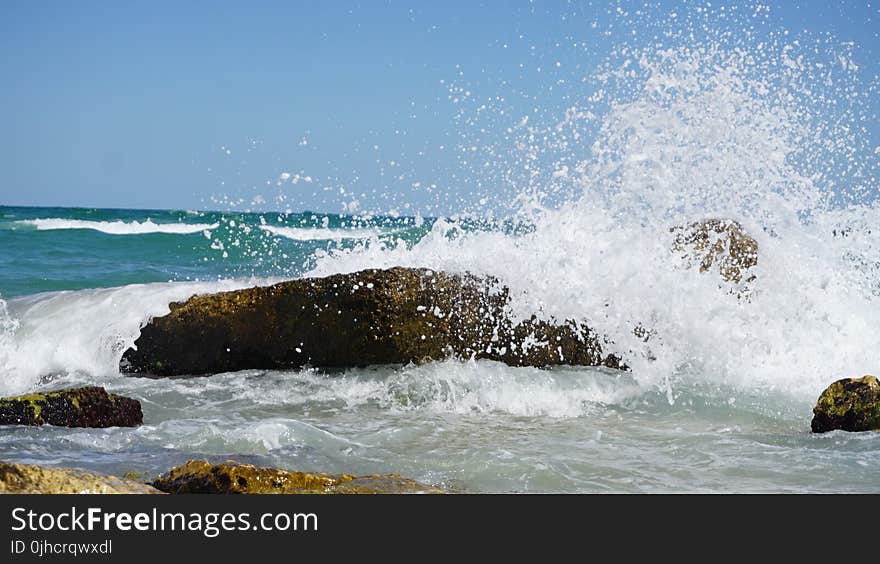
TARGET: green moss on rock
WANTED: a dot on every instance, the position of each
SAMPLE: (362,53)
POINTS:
(390,316)
(202,477)
(31,479)
(89,406)
(851,404)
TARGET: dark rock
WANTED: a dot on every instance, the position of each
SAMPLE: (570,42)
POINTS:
(392,316)
(202,477)
(30,479)
(90,406)
(851,404)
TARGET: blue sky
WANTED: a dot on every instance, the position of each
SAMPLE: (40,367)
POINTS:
(193,104)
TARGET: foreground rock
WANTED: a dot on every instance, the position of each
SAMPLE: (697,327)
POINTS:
(720,243)
(29,479)
(851,404)
(201,477)
(90,406)
(392,316)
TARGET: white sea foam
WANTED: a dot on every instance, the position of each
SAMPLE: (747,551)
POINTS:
(118,227)
(319,233)
(701,133)
(450,386)
(83,332)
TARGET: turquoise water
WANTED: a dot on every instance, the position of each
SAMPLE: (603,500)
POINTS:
(50,249)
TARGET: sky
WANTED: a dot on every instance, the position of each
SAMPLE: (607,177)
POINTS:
(299,105)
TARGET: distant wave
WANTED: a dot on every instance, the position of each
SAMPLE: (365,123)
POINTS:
(319,233)
(119,227)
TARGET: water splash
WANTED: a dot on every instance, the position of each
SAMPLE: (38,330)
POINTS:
(46,336)
(686,121)
(8,325)
(699,122)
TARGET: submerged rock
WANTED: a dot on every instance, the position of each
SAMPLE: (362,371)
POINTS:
(851,404)
(718,242)
(30,479)
(392,316)
(199,476)
(89,406)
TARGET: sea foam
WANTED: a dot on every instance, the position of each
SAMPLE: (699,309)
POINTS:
(318,233)
(118,227)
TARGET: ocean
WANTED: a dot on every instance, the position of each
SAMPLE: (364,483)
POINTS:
(77,284)
(579,197)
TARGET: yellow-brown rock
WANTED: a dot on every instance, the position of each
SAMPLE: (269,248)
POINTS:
(31,479)
(718,243)
(202,477)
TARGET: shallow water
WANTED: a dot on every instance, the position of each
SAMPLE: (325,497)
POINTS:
(471,426)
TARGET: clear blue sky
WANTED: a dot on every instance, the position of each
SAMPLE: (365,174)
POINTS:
(135,104)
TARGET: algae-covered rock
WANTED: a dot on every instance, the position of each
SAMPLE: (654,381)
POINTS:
(199,476)
(851,404)
(89,406)
(30,479)
(392,316)
(720,243)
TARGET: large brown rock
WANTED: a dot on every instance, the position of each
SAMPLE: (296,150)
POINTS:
(851,404)
(30,479)
(202,477)
(89,406)
(392,316)
(718,243)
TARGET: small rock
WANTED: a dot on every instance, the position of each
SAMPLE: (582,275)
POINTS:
(89,406)
(202,477)
(851,404)
(718,242)
(31,479)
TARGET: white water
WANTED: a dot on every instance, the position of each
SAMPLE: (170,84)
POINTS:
(704,134)
(319,234)
(84,332)
(118,227)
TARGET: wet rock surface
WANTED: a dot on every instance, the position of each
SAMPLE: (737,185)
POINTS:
(851,404)
(30,479)
(371,317)
(202,477)
(89,406)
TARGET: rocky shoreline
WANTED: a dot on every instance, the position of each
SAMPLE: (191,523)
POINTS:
(397,316)
(32,479)
(372,317)
(203,477)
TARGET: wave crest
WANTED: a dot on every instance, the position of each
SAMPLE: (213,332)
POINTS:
(118,227)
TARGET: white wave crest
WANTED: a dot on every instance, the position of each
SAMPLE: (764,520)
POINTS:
(118,227)
(83,332)
(319,233)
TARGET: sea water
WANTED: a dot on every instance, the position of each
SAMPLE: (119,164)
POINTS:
(691,124)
